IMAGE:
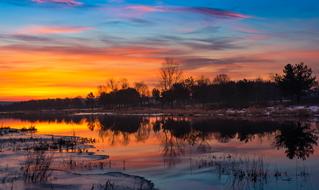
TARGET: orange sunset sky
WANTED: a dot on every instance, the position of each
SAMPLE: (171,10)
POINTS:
(66,48)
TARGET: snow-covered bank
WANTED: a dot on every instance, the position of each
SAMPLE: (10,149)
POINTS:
(274,111)
(249,112)
(43,162)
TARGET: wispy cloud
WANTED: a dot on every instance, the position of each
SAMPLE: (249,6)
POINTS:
(136,51)
(213,12)
(24,38)
(199,62)
(145,8)
(193,43)
(68,2)
(142,9)
(53,30)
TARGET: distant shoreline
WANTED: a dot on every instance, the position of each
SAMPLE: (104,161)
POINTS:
(252,112)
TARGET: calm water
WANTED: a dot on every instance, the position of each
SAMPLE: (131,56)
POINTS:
(189,153)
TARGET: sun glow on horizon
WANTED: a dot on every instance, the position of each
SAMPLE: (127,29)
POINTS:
(66,48)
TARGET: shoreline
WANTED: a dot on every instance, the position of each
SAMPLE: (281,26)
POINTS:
(251,112)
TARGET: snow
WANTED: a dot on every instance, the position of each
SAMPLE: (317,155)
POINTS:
(314,108)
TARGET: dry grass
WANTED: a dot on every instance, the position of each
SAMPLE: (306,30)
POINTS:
(37,167)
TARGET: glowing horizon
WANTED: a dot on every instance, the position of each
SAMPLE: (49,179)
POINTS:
(66,48)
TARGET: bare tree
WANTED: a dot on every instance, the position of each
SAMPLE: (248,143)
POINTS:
(221,79)
(171,73)
(203,81)
(101,89)
(156,94)
(90,100)
(112,85)
(124,84)
(142,88)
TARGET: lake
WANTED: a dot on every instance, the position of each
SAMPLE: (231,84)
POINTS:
(195,152)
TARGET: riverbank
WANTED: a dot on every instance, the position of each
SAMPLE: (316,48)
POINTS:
(46,162)
(250,112)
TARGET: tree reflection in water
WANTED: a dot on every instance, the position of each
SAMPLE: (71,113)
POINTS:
(91,122)
(173,140)
(118,129)
(177,133)
(298,139)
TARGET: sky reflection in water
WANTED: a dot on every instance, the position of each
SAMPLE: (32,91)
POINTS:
(162,147)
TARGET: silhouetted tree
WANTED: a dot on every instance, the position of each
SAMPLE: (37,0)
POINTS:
(170,73)
(156,94)
(167,97)
(296,80)
(180,92)
(106,99)
(144,92)
(189,82)
(112,85)
(221,79)
(119,97)
(201,90)
(101,89)
(57,103)
(126,97)
(90,100)
(142,88)
(123,83)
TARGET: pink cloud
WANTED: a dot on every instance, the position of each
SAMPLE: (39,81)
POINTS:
(212,12)
(53,29)
(69,2)
(142,9)
(132,11)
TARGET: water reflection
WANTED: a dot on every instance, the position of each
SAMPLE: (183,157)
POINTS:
(176,134)
(118,128)
(298,139)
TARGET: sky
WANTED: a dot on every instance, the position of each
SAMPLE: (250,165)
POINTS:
(66,48)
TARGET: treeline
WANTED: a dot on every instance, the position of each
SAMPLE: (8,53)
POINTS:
(224,93)
(190,91)
(46,104)
(296,83)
